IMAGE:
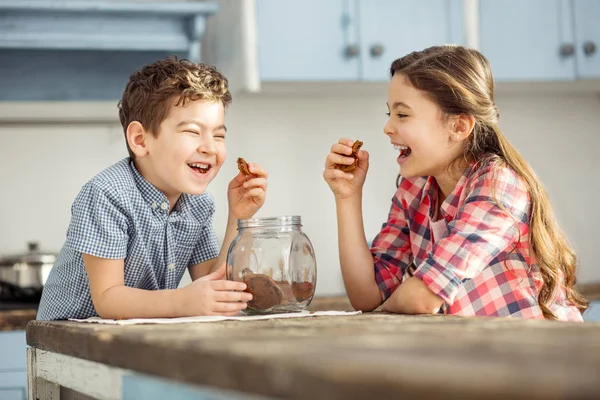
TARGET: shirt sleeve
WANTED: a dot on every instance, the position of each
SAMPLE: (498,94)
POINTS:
(391,250)
(480,231)
(208,243)
(99,224)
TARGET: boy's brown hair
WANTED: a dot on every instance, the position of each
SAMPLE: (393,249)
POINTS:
(151,89)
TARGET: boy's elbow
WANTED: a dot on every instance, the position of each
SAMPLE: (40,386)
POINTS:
(103,304)
(103,310)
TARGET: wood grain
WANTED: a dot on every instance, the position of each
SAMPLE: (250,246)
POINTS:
(11,320)
(371,355)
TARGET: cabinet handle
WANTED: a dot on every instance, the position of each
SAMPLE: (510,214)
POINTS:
(567,50)
(589,48)
(351,51)
(377,50)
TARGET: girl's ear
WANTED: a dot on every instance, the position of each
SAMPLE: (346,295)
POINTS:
(462,127)
(136,138)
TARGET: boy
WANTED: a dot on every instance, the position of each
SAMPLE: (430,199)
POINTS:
(140,223)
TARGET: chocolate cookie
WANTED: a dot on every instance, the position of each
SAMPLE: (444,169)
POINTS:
(355,148)
(243,166)
(265,291)
(303,290)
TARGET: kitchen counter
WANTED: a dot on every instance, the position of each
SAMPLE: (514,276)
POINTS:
(372,355)
(13,320)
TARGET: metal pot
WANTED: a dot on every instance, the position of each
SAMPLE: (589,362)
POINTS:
(27,271)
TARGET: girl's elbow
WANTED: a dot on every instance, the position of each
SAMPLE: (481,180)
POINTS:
(365,304)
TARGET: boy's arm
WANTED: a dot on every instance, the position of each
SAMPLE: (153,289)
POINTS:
(207,296)
(112,299)
(206,267)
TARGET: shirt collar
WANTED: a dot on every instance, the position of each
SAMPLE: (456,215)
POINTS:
(450,205)
(154,197)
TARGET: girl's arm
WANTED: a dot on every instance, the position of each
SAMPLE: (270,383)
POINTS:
(355,257)
(369,277)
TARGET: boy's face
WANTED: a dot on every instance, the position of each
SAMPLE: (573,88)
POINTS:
(189,149)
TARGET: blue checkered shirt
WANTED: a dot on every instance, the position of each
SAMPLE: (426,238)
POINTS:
(120,215)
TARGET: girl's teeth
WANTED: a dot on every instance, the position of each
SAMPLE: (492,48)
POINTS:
(404,150)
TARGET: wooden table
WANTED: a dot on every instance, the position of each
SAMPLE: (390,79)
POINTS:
(368,356)
(13,366)
(13,320)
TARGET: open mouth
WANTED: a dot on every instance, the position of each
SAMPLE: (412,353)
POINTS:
(200,168)
(405,151)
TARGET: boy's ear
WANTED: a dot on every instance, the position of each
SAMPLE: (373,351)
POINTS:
(462,126)
(136,138)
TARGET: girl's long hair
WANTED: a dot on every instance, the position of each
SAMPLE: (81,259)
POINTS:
(459,80)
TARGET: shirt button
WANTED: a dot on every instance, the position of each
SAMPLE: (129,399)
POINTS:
(164,206)
(154,205)
(171,266)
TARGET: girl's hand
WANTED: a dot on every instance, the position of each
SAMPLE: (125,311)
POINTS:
(345,184)
(413,297)
(211,295)
(246,193)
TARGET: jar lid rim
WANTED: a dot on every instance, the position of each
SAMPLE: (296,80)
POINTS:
(284,220)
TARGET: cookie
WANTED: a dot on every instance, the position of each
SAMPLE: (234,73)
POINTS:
(243,166)
(303,290)
(265,291)
(355,148)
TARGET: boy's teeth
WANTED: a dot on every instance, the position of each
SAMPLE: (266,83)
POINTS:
(398,147)
(203,166)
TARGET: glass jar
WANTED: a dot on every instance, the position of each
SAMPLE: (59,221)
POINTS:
(277,262)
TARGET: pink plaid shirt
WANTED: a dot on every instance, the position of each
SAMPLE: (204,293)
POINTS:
(478,266)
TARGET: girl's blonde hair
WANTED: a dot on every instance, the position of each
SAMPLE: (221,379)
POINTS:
(460,81)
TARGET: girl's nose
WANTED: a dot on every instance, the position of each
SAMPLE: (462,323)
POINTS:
(387,129)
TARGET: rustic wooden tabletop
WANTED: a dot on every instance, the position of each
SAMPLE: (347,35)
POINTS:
(371,355)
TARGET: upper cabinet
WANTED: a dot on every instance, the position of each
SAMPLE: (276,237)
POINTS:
(587,37)
(348,40)
(540,40)
(86,49)
(308,40)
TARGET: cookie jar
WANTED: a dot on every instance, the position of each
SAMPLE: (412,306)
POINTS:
(277,262)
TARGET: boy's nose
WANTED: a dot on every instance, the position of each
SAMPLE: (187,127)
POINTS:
(207,145)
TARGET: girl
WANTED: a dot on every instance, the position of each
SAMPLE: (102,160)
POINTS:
(470,230)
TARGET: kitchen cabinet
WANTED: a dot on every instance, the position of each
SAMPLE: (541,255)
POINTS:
(587,37)
(348,40)
(540,40)
(12,394)
(86,50)
(13,365)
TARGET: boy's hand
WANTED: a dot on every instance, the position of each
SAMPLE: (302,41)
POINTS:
(345,184)
(211,295)
(246,193)
(413,297)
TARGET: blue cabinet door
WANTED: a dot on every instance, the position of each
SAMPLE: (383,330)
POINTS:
(390,29)
(528,40)
(587,33)
(306,40)
(12,394)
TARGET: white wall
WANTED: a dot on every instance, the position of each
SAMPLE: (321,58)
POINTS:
(43,166)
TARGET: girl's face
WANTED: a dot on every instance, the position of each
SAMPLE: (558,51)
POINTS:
(417,129)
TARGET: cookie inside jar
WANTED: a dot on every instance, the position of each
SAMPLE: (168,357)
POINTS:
(270,295)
